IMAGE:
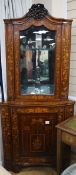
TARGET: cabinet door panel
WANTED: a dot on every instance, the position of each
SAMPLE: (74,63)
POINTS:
(34,135)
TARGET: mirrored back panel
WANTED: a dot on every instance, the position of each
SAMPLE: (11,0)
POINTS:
(37,61)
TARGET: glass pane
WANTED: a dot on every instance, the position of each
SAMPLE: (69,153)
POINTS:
(37,61)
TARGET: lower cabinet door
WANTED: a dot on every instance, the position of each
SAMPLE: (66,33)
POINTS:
(33,136)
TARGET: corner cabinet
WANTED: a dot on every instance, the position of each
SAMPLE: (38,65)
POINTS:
(38,57)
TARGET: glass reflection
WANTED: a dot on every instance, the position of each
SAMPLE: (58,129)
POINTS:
(37,61)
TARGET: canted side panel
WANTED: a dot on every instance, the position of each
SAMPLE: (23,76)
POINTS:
(6,133)
(10,61)
(69,111)
(65,60)
(58,63)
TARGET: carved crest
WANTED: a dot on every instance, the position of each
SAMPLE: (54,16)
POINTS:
(37,11)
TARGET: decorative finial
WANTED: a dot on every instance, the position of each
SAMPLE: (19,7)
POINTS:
(37,11)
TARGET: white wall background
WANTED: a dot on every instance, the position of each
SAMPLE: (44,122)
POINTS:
(57,8)
(47,3)
(71,13)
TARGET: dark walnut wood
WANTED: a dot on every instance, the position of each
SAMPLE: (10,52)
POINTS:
(37,11)
(28,121)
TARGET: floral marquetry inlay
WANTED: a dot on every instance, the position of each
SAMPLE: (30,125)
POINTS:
(38,57)
(10,61)
(5,120)
(65,61)
(35,110)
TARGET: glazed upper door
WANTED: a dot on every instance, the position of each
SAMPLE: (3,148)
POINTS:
(37,61)
(37,48)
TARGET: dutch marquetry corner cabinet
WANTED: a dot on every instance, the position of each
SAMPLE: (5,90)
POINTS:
(37,57)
